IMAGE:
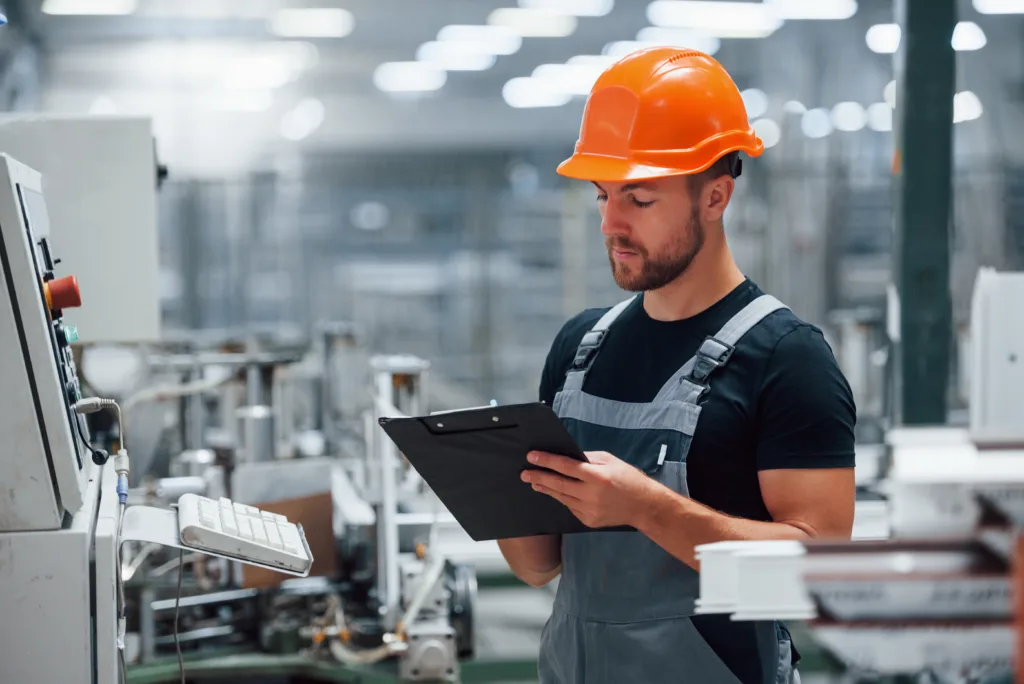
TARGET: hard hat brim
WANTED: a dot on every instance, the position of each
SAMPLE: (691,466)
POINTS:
(595,167)
(598,168)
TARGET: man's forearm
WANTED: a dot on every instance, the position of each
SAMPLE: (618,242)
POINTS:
(534,560)
(679,524)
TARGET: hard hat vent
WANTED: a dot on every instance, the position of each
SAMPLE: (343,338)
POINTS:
(684,55)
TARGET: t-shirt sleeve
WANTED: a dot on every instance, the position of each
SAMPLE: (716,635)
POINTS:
(552,375)
(806,414)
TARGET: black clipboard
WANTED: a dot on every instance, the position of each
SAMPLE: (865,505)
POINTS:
(473,459)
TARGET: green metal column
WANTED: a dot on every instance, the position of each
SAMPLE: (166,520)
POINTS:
(926,82)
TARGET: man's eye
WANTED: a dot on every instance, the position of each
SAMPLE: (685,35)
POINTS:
(641,204)
(602,198)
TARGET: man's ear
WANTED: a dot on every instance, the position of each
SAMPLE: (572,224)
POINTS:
(715,197)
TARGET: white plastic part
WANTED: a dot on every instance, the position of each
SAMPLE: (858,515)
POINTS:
(770,584)
(718,581)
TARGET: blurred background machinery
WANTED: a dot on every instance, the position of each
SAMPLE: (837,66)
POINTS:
(326,212)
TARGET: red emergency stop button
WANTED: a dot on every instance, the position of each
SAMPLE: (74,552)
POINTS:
(62,293)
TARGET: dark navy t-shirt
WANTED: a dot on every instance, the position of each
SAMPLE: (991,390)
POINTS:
(780,402)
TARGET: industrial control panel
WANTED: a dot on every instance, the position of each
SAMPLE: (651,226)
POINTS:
(44,463)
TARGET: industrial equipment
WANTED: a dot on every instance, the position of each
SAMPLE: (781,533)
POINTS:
(936,599)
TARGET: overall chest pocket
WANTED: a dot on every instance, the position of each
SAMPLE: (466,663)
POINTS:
(647,436)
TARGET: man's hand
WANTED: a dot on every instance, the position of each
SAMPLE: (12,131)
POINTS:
(606,492)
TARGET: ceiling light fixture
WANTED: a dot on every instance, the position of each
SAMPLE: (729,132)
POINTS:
(534,23)
(966,107)
(885,38)
(408,77)
(454,56)
(880,117)
(575,79)
(768,131)
(578,8)
(721,19)
(816,123)
(889,94)
(812,9)
(89,7)
(999,6)
(755,102)
(524,92)
(849,116)
(498,40)
(968,36)
(311,22)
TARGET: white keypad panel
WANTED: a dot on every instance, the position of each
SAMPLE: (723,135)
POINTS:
(244,532)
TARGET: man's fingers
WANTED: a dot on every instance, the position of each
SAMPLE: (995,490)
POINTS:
(560,464)
(566,500)
(551,481)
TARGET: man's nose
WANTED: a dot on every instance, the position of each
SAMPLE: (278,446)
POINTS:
(613,222)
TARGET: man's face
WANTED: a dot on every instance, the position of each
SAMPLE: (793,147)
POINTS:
(652,231)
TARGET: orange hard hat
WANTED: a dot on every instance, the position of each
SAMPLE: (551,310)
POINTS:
(658,112)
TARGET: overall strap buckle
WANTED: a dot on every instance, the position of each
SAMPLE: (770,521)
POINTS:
(712,354)
(587,350)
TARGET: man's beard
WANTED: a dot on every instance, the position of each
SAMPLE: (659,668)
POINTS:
(657,272)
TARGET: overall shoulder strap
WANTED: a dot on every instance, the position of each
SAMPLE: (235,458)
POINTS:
(715,351)
(590,345)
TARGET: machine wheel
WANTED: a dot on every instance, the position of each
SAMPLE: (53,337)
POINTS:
(462,587)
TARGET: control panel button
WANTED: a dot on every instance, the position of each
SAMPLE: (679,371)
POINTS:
(62,293)
(67,334)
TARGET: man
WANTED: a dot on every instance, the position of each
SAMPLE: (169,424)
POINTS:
(707,409)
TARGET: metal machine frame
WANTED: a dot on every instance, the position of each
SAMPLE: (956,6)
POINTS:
(43,456)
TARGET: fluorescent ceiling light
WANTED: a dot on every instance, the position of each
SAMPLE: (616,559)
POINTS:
(408,77)
(534,23)
(721,19)
(816,123)
(311,22)
(885,38)
(221,64)
(889,94)
(968,36)
(768,131)
(498,40)
(300,122)
(453,56)
(524,92)
(880,117)
(89,7)
(575,79)
(794,107)
(966,107)
(755,102)
(812,9)
(579,8)
(999,6)
(849,116)
(681,38)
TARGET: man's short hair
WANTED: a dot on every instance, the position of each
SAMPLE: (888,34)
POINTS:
(726,165)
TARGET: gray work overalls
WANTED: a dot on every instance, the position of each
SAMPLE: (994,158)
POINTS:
(622,609)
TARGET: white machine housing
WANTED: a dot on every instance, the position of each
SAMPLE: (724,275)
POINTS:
(45,467)
(59,587)
(997,359)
